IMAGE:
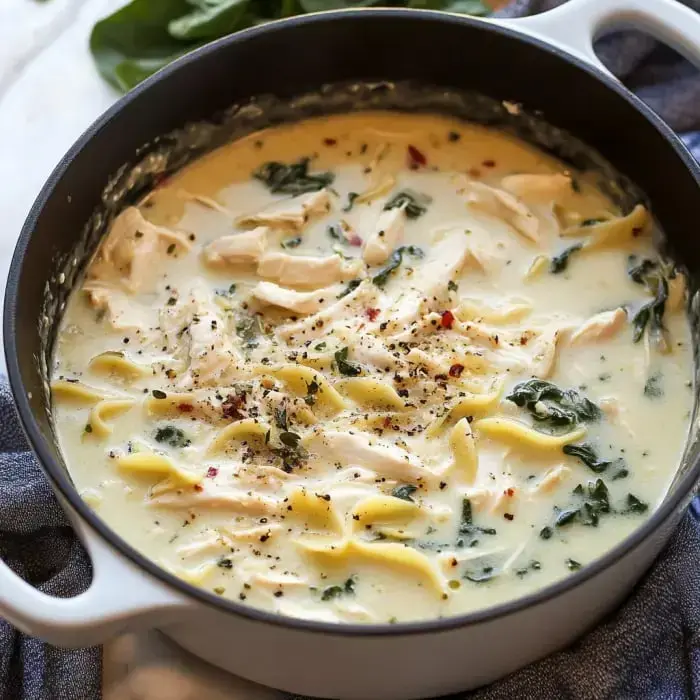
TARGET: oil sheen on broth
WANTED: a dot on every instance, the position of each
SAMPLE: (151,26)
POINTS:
(375,368)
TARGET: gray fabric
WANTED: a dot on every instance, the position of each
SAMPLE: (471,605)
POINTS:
(648,649)
(37,542)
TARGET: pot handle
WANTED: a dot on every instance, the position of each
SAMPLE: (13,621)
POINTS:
(574,25)
(120,597)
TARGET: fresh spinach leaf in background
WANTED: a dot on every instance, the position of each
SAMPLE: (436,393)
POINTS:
(145,35)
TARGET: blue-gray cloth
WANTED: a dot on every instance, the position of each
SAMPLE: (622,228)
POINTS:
(649,648)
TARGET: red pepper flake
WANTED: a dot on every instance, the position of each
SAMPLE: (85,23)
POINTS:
(212,472)
(415,158)
(354,239)
(509,492)
(372,314)
(185,407)
(475,172)
(456,370)
(387,421)
(329,142)
(636,231)
(447,318)
(489,163)
(198,487)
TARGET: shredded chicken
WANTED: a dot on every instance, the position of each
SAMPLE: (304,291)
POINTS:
(245,247)
(291,214)
(600,327)
(386,235)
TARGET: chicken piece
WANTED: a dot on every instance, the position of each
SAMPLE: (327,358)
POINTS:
(211,355)
(387,233)
(361,450)
(121,311)
(551,480)
(292,214)
(545,358)
(428,285)
(305,270)
(230,500)
(348,307)
(129,252)
(600,327)
(245,247)
(299,302)
(368,349)
(505,206)
(539,189)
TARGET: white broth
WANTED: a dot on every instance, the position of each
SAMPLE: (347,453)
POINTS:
(418,374)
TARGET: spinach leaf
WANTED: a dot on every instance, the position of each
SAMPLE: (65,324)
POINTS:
(467,528)
(293,179)
(649,317)
(170,435)
(349,369)
(550,405)
(311,391)
(635,505)
(145,35)
(209,18)
(560,262)
(352,286)
(415,204)
(135,41)
(395,259)
(587,455)
(404,492)
(352,196)
(573,565)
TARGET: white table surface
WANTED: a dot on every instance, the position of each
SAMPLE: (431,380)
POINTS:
(49,93)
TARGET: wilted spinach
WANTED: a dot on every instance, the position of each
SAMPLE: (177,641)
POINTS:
(332,592)
(404,492)
(650,316)
(560,262)
(345,367)
(394,262)
(552,406)
(294,178)
(415,204)
(170,435)
(587,455)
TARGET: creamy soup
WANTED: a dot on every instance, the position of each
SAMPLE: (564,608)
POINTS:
(375,368)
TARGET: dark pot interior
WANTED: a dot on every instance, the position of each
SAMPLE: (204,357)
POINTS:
(363,59)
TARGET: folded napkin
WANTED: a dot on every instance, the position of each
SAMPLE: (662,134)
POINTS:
(649,648)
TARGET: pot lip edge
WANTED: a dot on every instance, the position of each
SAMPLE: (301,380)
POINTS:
(61,482)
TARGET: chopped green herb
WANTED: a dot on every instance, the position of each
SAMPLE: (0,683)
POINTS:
(414,204)
(292,242)
(333,592)
(320,346)
(311,391)
(395,259)
(336,233)
(573,565)
(224,563)
(352,196)
(587,455)
(404,492)
(560,262)
(546,532)
(452,286)
(158,394)
(293,179)
(170,435)
(249,329)
(281,418)
(88,428)
(346,368)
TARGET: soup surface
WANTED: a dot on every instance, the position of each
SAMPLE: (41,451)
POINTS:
(375,368)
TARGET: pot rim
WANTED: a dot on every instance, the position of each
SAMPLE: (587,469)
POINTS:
(59,477)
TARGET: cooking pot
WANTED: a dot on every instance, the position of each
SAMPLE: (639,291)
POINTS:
(547,64)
